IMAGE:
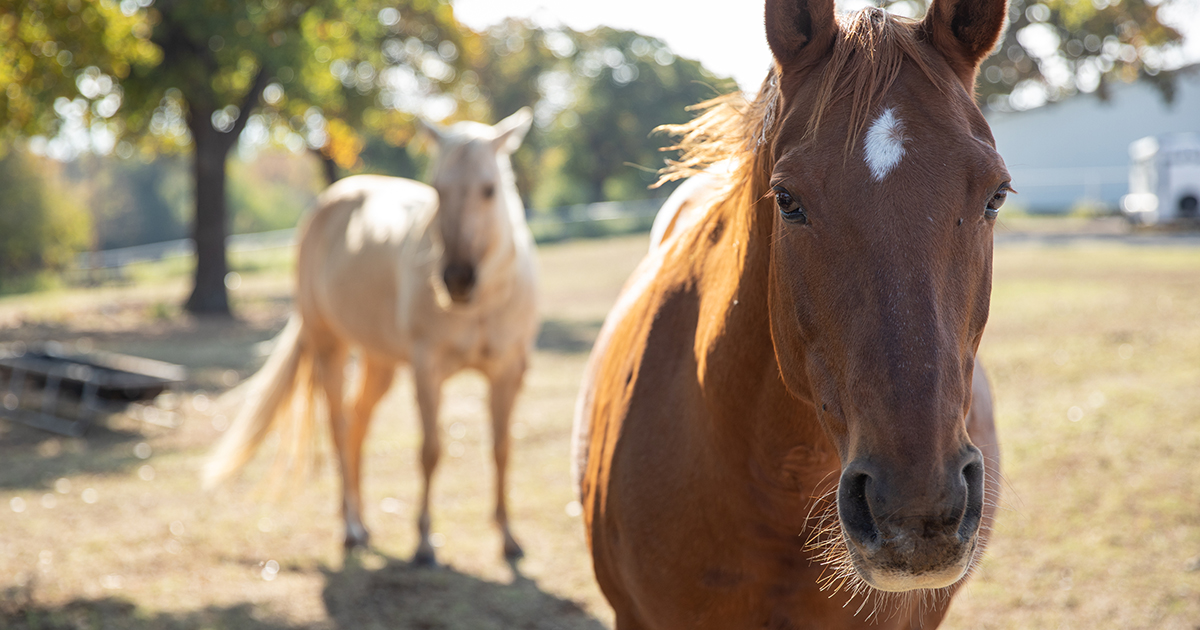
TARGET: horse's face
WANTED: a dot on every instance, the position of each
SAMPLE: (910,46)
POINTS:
(880,284)
(474,181)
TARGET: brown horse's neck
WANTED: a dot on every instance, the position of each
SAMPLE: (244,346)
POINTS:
(776,438)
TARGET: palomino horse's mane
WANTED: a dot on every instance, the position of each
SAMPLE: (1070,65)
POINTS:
(864,61)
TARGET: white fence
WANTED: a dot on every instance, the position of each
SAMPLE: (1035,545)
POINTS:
(592,219)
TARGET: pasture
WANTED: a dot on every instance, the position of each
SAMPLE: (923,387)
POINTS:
(1093,348)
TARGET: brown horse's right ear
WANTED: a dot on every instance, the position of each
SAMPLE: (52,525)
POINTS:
(798,26)
(965,32)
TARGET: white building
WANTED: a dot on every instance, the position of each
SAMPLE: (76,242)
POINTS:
(1077,150)
(1164,180)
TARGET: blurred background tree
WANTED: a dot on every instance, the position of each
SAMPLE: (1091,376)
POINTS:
(1054,49)
(1058,48)
(39,230)
(187,75)
(626,85)
(596,97)
(122,91)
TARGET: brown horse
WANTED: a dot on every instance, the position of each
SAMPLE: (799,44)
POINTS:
(441,278)
(785,401)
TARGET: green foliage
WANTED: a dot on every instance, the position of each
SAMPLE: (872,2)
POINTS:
(597,97)
(1054,49)
(637,84)
(272,191)
(39,228)
(1057,48)
(55,51)
(134,201)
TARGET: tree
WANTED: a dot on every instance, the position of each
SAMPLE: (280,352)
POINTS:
(37,228)
(597,97)
(189,75)
(373,67)
(1056,48)
(46,48)
(630,84)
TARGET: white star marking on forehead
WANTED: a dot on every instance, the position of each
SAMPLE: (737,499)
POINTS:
(884,145)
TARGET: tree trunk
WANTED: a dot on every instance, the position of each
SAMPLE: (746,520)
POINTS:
(209,296)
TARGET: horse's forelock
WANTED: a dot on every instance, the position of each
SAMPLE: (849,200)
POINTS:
(864,62)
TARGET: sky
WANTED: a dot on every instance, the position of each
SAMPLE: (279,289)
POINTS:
(728,42)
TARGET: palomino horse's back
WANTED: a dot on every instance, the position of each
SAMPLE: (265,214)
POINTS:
(367,258)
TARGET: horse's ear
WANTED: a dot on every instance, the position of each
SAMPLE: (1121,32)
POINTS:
(430,130)
(511,131)
(965,32)
(795,27)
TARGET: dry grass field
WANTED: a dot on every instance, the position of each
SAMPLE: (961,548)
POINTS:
(1093,350)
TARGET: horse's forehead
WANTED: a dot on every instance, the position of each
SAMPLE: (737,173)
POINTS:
(883,146)
(467,159)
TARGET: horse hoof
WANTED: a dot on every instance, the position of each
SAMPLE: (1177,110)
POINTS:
(513,551)
(425,558)
(356,540)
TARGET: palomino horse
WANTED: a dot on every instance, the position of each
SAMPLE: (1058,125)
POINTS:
(440,278)
(785,400)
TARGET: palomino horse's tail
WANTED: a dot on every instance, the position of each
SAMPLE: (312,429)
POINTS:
(279,396)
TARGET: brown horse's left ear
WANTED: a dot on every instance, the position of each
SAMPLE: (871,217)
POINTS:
(795,27)
(965,32)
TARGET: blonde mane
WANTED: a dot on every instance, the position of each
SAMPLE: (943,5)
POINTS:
(863,63)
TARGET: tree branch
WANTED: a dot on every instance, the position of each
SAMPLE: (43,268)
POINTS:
(248,103)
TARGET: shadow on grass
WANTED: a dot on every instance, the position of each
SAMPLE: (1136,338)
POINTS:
(33,459)
(567,337)
(397,596)
(19,612)
(403,595)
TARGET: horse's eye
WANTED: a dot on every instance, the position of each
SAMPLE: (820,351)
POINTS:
(997,200)
(789,208)
(489,191)
(783,198)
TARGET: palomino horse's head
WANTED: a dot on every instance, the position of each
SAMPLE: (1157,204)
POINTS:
(884,185)
(477,196)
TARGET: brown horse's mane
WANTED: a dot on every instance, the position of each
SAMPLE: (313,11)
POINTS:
(864,61)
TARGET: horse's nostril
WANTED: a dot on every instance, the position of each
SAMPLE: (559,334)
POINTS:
(459,278)
(854,507)
(972,474)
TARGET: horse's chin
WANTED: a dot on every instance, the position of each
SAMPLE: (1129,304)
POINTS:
(453,300)
(896,572)
(460,300)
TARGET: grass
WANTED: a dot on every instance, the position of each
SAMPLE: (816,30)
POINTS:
(1092,350)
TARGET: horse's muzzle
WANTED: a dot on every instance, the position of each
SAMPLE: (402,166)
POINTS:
(460,281)
(901,537)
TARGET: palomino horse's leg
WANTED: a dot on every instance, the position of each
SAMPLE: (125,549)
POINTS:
(504,388)
(331,372)
(429,395)
(377,378)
